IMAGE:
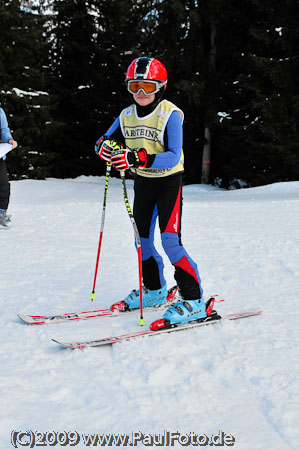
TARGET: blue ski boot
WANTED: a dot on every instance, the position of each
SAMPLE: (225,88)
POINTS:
(180,313)
(149,298)
(185,311)
(4,218)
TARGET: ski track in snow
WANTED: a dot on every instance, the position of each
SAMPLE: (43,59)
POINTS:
(240,377)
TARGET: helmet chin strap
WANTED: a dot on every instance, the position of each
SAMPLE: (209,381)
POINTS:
(143,111)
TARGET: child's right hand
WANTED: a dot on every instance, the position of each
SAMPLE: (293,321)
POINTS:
(105,146)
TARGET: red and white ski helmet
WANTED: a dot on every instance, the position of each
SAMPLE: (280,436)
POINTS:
(145,68)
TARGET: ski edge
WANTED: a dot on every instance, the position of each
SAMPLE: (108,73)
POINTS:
(84,315)
(115,339)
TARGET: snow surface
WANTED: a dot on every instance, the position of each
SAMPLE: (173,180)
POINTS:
(241,377)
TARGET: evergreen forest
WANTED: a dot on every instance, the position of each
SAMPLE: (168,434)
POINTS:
(233,68)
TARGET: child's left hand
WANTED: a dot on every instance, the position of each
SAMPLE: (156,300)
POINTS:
(125,158)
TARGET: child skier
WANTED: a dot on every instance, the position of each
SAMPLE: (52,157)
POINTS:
(151,129)
(5,136)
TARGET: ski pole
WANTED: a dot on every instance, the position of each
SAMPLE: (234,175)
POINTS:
(108,171)
(138,242)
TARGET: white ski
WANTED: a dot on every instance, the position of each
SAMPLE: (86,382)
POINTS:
(56,318)
(125,337)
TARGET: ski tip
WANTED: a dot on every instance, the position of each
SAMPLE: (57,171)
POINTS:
(31,320)
(70,345)
(58,342)
(24,318)
(61,344)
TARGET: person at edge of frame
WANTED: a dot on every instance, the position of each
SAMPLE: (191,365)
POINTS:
(5,137)
(152,131)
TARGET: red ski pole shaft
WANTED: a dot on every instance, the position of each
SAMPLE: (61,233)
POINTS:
(108,170)
(138,243)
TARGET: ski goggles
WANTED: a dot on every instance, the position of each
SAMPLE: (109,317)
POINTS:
(147,86)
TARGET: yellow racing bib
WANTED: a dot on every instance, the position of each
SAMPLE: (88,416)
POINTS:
(148,132)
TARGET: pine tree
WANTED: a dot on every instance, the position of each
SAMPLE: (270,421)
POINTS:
(71,62)
(257,130)
(232,68)
(172,32)
(118,35)
(92,41)
(23,65)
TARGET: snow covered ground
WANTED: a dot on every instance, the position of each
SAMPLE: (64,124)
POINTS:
(239,377)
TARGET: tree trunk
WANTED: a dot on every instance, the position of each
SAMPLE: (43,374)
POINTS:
(205,174)
(206,156)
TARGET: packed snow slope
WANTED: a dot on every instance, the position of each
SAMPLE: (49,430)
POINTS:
(241,377)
